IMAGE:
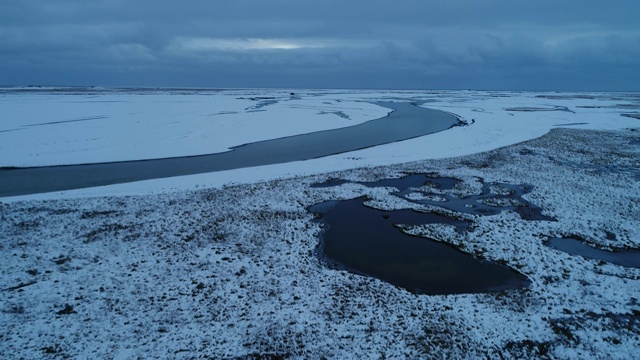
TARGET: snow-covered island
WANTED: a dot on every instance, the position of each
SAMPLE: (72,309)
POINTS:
(228,265)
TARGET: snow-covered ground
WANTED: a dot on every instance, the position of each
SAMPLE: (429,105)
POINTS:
(75,128)
(231,270)
(127,125)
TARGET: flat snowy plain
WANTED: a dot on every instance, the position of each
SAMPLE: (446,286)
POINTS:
(225,265)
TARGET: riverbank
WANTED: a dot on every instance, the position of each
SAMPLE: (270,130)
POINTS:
(496,120)
(404,121)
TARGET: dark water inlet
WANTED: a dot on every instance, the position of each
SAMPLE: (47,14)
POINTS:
(402,184)
(488,202)
(627,258)
(365,241)
(405,122)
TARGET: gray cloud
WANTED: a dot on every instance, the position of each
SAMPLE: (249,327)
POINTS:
(555,45)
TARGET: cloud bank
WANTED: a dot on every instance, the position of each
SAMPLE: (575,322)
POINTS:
(436,44)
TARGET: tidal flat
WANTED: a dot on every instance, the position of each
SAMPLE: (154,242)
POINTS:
(234,272)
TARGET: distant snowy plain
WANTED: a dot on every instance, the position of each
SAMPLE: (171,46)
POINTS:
(225,265)
(45,127)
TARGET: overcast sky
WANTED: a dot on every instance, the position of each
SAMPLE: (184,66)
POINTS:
(393,44)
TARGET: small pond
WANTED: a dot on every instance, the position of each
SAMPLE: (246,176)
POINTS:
(493,198)
(627,258)
(367,241)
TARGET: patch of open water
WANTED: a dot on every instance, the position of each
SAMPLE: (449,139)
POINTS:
(403,183)
(627,258)
(493,198)
(367,241)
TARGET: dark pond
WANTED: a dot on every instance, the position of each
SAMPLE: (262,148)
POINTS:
(493,199)
(405,122)
(488,202)
(365,241)
(628,258)
(403,183)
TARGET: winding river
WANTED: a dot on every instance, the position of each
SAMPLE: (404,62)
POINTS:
(406,121)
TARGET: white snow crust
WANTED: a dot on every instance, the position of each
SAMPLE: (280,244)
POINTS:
(75,128)
(232,270)
(155,125)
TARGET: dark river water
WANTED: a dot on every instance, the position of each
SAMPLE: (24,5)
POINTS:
(405,122)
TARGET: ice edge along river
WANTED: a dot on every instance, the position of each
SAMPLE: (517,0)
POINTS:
(495,124)
(406,121)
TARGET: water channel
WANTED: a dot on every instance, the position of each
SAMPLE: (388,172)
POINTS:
(573,246)
(406,121)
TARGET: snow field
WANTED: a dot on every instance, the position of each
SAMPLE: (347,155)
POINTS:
(165,124)
(233,271)
(46,129)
